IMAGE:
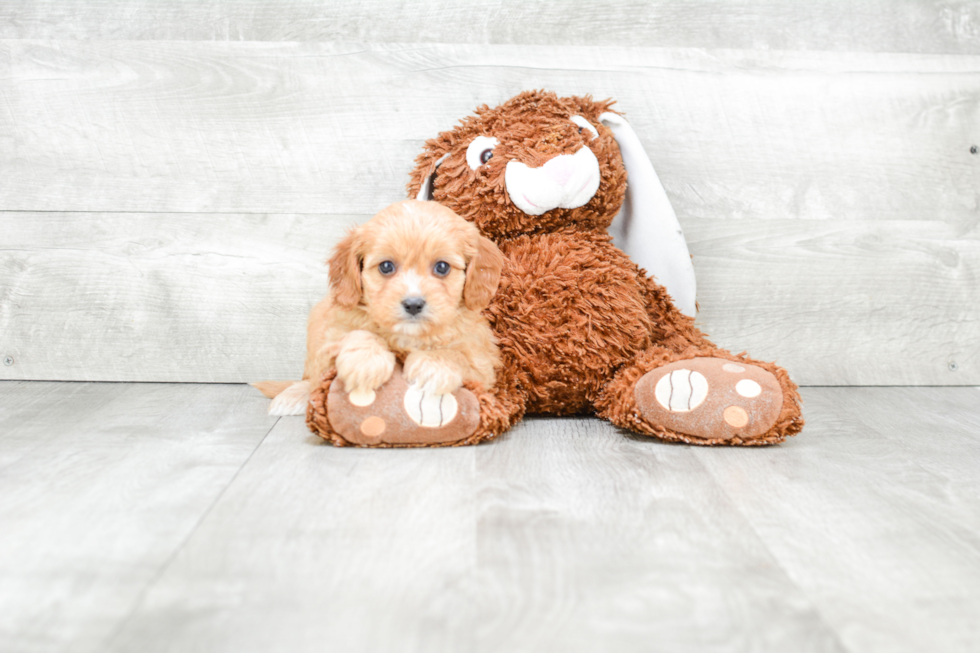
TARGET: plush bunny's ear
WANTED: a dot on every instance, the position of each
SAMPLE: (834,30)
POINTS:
(646,228)
(425,191)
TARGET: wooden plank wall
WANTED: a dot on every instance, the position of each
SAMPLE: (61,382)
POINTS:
(172,175)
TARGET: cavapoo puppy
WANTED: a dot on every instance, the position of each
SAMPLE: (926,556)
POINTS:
(408,285)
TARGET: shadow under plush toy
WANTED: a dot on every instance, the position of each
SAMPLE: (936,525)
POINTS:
(582,329)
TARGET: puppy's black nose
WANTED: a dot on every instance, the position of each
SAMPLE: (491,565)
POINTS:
(413,305)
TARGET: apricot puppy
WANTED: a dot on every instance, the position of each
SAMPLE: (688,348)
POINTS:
(408,284)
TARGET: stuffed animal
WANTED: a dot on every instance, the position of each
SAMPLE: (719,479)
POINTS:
(557,183)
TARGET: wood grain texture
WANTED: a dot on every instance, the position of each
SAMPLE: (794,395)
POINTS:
(564,536)
(856,25)
(224,298)
(831,200)
(156,517)
(334,128)
(100,484)
(887,302)
(357,549)
(880,493)
(160,297)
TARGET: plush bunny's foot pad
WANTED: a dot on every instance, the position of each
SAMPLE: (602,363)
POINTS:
(396,414)
(710,398)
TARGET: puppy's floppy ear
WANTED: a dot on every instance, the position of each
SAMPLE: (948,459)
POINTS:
(345,271)
(482,274)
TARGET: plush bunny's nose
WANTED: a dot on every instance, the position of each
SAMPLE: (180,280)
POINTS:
(560,169)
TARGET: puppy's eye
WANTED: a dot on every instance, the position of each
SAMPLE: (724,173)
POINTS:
(441,268)
(584,124)
(480,151)
(386,267)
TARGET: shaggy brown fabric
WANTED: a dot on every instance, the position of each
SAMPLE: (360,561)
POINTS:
(316,411)
(532,128)
(577,321)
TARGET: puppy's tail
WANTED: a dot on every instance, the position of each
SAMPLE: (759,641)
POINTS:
(271,389)
(288,397)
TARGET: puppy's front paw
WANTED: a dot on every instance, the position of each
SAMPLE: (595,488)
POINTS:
(432,374)
(364,371)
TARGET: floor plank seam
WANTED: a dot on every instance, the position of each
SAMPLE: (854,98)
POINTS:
(117,631)
(731,501)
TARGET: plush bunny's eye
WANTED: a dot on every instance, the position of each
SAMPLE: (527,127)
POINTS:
(480,151)
(584,124)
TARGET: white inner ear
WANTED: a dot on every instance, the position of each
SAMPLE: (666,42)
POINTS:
(582,122)
(479,145)
(646,228)
(425,191)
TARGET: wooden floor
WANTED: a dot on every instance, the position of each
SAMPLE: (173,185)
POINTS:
(171,517)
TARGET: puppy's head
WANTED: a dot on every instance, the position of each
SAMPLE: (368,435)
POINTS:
(413,267)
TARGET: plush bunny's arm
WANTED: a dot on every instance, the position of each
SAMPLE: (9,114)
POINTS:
(646,228)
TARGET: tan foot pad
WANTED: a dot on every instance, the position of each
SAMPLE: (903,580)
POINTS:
(397,413)
(710,398)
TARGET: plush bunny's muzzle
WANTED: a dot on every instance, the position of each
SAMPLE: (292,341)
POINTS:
(566,181)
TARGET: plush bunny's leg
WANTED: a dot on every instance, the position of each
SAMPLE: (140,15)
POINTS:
(703,396)
(401,415)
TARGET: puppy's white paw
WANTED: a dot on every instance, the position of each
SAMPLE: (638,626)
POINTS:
(364,370)
(432,375)
(292,400)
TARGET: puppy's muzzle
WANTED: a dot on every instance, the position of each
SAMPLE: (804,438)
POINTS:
(413,305)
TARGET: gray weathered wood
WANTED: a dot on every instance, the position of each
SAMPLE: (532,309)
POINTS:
(144,517)
(280,128)
(199,297)
(564,536)
(843,25)
(160,297)
(830,200)
(879,498)
(567,535)
(358,546)
(100,484)
(884,302)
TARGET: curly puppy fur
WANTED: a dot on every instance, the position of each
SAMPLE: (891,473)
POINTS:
(578,323)
(410,283)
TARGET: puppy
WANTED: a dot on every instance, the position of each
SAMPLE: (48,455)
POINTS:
(410,282)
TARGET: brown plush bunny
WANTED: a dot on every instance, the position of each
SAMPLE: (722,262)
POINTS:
(582,329)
